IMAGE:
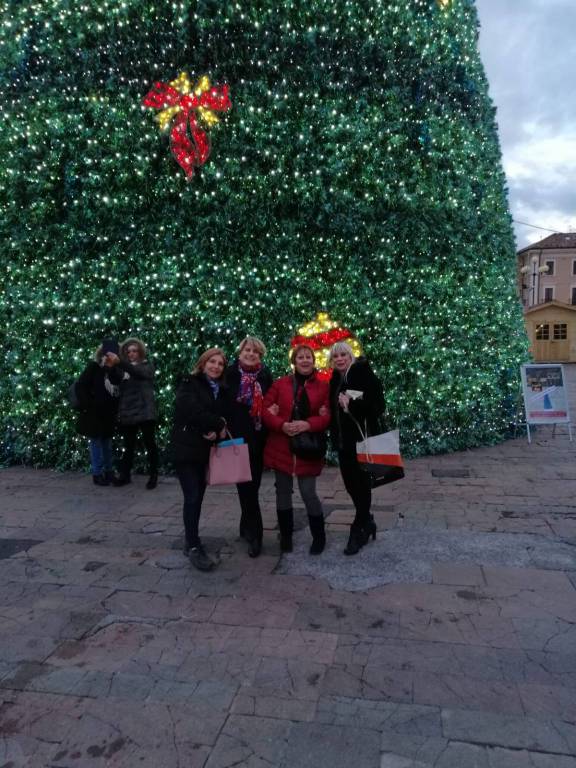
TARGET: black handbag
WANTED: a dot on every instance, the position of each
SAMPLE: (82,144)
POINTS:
(310,446)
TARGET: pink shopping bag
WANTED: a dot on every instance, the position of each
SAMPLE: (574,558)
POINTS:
(228,464)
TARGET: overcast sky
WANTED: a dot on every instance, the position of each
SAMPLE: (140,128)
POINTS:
(529,52)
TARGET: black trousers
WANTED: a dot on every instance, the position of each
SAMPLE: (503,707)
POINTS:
(130,435)
(251,519)
(357,484)
(192,479)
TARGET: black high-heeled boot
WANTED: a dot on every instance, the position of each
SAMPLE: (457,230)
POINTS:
(286,527)
(369,530)
(318,531)
(355,540)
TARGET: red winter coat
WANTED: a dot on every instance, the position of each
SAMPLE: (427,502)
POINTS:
(277,453)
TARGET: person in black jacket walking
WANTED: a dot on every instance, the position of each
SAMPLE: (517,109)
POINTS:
(137,410)
(200,417)
(356,404)
(97,391)
(249,380)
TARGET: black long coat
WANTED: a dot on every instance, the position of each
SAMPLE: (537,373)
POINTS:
(242,424)
(366,409)
(98,408)
(196,413)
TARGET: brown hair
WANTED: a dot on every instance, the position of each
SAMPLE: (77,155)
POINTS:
(132,341)
(205,356)
(299,348)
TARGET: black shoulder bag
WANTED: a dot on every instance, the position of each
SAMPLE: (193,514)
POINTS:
(310,446)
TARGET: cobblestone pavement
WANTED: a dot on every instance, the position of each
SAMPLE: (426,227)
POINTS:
(450,641)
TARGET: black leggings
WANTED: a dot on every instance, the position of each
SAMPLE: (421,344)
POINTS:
(192,479)
(357,484)
(251,519)
(130,434)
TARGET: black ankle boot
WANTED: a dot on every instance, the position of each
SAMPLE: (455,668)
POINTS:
(122,479)
(369,530)
(286,527)
(355,541)
(255,547)
(100,480)
(152,481)
(318,531)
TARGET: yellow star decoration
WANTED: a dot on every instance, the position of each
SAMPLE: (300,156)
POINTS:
(183,85)
(323,323)
(444,3)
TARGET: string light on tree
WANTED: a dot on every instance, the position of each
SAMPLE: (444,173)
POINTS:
(355,169)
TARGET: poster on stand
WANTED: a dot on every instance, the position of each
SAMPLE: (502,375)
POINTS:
(545,397)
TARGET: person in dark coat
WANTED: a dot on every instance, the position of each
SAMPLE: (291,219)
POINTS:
(356,404)
(137,410)
(201,413)
(249,380)
(311,396)
(97,391)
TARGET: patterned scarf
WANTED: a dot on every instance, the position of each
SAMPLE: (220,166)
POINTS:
(250,393)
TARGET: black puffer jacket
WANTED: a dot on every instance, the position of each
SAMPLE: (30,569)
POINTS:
(196,413)
(366,409)
(137,403)
(242,424)
(98,408)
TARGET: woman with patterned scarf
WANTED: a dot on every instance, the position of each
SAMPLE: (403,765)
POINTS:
(249,380)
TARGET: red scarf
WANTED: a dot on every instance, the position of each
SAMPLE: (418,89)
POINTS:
(250,393)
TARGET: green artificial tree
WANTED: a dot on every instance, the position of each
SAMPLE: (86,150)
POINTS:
(309,156)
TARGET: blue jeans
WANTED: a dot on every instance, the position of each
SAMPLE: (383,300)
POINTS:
(100,455)
(192,478)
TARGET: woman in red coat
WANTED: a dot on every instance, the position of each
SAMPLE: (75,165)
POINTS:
(310,395)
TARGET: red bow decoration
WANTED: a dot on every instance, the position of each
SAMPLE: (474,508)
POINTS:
(187,106)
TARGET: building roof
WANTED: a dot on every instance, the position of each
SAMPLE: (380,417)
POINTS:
(555,241)
(554,304)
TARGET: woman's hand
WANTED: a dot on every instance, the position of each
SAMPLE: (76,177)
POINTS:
(222,433)
(300,426)
(344,401)
(323,411)
(287,428)
(210,436)
(274,409)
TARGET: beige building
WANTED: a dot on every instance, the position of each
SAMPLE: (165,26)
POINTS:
(547,288)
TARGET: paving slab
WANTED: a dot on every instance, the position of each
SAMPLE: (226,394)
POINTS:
(449,642)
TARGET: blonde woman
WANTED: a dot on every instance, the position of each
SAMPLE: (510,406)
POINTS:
(249,380)
(356,403)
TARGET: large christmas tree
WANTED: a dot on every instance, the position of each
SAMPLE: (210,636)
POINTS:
(192,171)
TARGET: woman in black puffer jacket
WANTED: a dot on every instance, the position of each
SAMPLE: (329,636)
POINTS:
(97,391)
(137,410)
(202,410)
(356,398)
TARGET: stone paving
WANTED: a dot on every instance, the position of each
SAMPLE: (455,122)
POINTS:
(450,641)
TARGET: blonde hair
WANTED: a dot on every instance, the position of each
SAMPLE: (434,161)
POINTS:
(257,343)
(299,348)
(205,356)
(341,346)
(132,341)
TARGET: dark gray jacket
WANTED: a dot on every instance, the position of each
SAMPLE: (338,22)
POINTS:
(137,403)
